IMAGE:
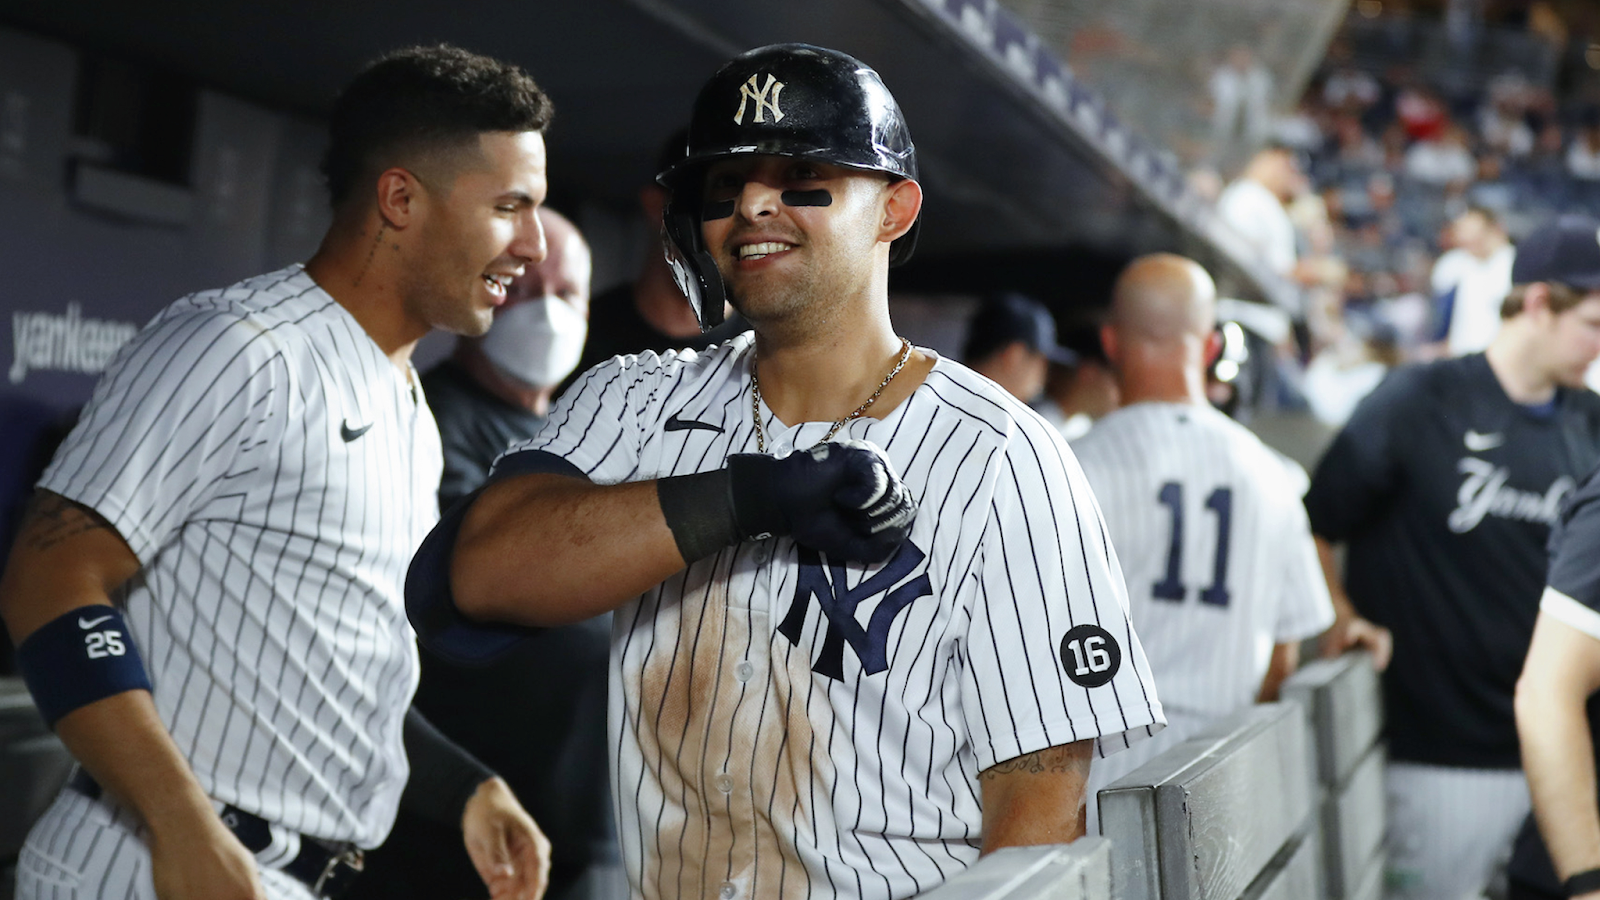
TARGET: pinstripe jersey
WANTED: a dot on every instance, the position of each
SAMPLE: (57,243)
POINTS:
(1212,535)
(273,472)
(786,726)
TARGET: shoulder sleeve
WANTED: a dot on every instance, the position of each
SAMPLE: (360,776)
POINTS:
(595,424)
(1051,657)
(1572,592)
(193,400)
(1362,467)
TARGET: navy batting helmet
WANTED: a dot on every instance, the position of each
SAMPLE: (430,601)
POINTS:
(782,100)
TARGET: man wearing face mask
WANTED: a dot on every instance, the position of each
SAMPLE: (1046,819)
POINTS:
(538,715)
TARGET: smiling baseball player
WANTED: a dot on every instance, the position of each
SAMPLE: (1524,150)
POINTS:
(207,589)
(868,622)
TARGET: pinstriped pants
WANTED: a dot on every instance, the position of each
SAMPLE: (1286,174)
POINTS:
(83,849)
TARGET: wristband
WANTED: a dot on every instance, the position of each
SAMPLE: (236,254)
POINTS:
(699,511)
(76,659)
(1582,882)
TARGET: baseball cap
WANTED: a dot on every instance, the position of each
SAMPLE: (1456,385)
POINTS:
(1007,318)
(1565,250)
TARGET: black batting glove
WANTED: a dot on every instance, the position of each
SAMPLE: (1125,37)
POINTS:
(843,499)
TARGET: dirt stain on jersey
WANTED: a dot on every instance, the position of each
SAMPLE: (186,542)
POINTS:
(732,750)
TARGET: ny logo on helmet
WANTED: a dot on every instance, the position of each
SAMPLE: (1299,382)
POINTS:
(766,98)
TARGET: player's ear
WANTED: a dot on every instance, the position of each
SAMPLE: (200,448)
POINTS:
(1213,347)
(398,195)
(1108,344)
(1536,298)
(902,203)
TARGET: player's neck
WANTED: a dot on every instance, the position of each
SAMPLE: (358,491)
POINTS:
(353,267)
(1157,381)
(828,374)
(1514,358)
(1146,393)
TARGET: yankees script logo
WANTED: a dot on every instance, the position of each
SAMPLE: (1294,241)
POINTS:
(871,643)
(1484,493)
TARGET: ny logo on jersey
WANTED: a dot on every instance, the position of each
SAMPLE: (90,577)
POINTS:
(872,642)
(765,97)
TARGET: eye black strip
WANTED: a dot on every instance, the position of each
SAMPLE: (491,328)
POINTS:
(720,209)
(807,198)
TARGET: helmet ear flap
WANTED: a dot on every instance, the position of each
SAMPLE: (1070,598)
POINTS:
(693,268)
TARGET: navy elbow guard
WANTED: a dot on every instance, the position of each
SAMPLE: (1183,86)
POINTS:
(78,658)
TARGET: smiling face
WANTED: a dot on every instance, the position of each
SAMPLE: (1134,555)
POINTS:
(790,234)
(477,231)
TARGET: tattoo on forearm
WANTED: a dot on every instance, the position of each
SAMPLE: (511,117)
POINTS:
(52,518)
(1053,760)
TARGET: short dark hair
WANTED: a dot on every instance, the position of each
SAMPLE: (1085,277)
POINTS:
(1562,298)
(423,99)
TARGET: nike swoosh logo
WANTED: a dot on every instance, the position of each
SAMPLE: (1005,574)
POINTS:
(676,424)
(87,624)
(349,434)
(1478,443)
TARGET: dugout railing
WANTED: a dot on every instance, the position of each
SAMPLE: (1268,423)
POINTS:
(1077,871)
(1342,698)
(1227,815)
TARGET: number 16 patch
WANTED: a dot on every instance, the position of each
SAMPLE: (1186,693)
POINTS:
(1090,655)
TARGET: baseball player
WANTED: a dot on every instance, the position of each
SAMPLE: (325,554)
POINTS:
(1444,486)
(551,745)
(1554,721)
(1556,716)
(207,589)
(868,622)
(1223,578)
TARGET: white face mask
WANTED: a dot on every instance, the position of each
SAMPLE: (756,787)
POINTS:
(537,342)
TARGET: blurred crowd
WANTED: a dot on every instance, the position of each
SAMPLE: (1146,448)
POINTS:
(1392,197)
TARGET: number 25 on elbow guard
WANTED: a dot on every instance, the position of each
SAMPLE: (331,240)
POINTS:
(101,644)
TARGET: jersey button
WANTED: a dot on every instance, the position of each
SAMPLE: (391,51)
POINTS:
(744,672)
(729,891)
(723,783)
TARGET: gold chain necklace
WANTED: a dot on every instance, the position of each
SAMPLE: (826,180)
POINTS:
(755,399)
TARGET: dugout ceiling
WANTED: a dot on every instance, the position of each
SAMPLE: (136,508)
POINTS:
(1019,160)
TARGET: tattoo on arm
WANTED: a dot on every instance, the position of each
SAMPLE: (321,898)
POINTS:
(1054,760)
(52,518)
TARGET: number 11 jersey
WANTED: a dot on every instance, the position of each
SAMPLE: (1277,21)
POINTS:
(1210,529)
